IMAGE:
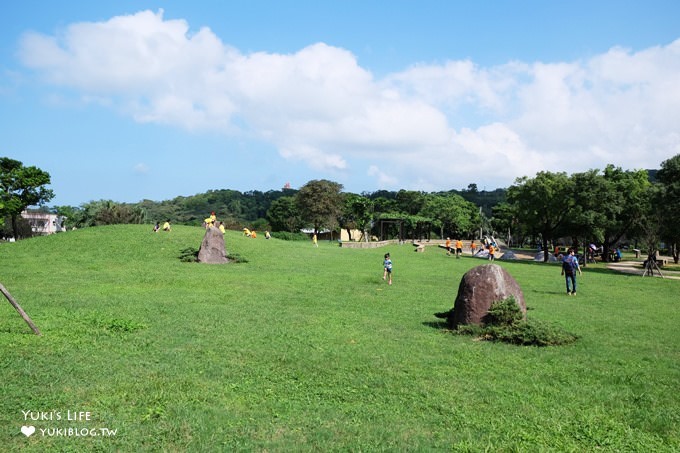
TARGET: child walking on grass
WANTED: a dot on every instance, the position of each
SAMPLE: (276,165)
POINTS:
(387,265)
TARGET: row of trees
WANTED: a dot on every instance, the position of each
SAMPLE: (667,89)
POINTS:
(321,204)
(277,210)
(600,206)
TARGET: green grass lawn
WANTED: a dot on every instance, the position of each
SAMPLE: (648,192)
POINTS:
(308,349)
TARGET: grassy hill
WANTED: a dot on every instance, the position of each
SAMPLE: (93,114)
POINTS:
(303,348)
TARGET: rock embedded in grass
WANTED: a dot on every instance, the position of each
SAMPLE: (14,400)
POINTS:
(213,250)
(479,288)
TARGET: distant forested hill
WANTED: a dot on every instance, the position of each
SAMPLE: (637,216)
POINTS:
(240,208)
(230,206)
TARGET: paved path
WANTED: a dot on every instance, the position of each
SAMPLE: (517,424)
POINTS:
(635,267)
(626,267)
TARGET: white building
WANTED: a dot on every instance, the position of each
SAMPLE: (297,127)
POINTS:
(44,223)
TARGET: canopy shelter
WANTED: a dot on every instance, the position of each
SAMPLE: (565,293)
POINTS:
(385,224)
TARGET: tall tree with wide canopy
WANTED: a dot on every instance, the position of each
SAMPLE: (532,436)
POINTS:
(21,187)
(669,206)
(609,206)
(542,204)
(620,201)
(320,203)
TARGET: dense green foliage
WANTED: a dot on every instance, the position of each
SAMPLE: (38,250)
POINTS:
(504,312)
(320,204)
(543,204)
(305,348)
(284,216)
(236,209)
(452,214)
(485,199)
(669,178)
(602,207)
(107,212)
(617,202)
(357,214)
(20,187)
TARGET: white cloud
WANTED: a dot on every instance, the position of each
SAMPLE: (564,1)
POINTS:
(384,180)
(619,107)
(141,168)
(437,125)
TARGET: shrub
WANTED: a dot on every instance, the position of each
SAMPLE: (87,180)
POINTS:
(236,258)
(506,323)
(530,333)
(287,236)
(188,255)
(504,313)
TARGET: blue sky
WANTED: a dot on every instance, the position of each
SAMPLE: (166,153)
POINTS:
(133,100)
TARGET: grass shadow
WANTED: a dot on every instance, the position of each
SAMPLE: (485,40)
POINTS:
(439,325)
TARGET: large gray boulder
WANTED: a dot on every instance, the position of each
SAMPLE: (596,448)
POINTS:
(479,288)
(212,249)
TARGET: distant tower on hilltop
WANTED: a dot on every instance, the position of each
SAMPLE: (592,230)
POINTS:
(287,186)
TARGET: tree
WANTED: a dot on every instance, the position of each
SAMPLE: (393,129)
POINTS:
(505,218)
(21,187)
(542,204)
(383,205)
(669,179)
(651,228)
(609,205)
(587,219)
(452,214)
(320,203)
(621,201)
(410,202)
(283,215)
(358,214)
(107,212)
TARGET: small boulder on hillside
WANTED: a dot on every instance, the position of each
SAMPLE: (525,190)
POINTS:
(212,249)
(479,288)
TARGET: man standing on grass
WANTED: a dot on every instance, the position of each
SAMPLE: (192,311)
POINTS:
(569,268)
